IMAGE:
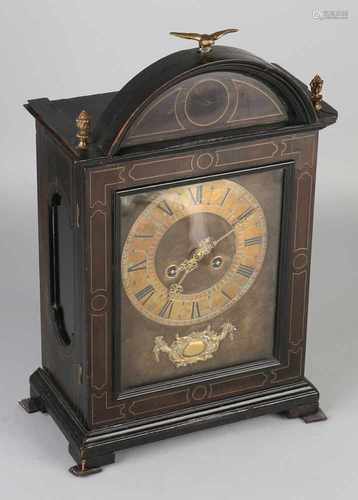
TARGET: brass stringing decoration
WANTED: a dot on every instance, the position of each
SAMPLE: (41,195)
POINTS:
(197,346)
(83,123)
(316,85)
(206,41)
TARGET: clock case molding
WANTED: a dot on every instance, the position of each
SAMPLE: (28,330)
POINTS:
(76,195)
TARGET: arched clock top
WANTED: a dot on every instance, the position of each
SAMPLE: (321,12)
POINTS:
(191,93)
(210,102)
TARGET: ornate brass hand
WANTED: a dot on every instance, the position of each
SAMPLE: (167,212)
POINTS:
(204,248)
(206,41)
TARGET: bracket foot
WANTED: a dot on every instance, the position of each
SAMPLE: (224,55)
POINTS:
(318,416)
(82,470)
(32,405)
(308,413)
(87,463)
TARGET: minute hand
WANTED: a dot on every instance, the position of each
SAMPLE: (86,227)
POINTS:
(241,218)
(216,242)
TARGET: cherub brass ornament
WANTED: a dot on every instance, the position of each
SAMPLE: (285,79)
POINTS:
(206,42)
(197,346)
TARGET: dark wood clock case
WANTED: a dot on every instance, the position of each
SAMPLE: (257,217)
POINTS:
(188,116)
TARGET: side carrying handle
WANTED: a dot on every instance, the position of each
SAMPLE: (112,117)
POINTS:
(55,296)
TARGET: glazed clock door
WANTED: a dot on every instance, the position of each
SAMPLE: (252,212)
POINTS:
(196,276)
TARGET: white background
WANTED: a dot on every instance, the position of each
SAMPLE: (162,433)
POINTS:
(66,48)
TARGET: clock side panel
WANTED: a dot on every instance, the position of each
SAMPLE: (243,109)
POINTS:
(61,293)
(174,396)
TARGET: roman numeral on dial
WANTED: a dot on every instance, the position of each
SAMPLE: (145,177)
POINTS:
(163,205)
(226,295)
(145,294)
(225,196)
(167,309)
(195,310)
(246,271)
(256,240)
(138,266)
(197,194)
(245,214)
(144,236)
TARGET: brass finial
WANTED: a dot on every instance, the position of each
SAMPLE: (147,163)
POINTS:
(316,85)
(83,123)
(206,41)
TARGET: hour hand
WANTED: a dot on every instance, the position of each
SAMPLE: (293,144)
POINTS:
(204,248)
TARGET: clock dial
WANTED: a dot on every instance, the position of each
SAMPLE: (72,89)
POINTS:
(193,252)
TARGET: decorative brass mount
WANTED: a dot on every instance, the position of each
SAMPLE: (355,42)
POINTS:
(83,123)
(316,85)
(197,346)
(206,42)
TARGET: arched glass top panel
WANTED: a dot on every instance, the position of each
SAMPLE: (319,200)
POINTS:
(206,103)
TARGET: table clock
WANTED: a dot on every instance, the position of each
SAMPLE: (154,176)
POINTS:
(175,223)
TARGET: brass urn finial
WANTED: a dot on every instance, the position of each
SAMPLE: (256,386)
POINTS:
(316,85)
(206,42)
(83,123)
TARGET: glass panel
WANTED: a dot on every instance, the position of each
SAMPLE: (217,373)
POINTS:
(207,103)
(198,276)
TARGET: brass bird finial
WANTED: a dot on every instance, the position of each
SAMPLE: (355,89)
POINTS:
(206,41)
